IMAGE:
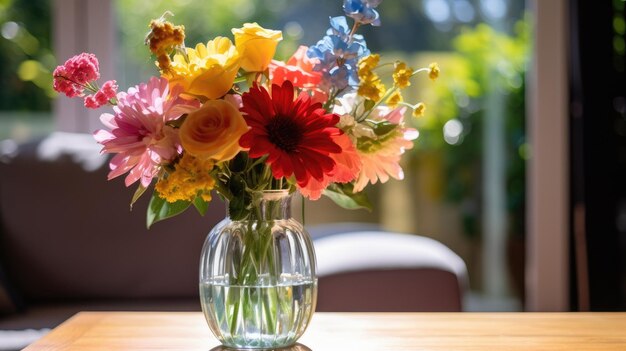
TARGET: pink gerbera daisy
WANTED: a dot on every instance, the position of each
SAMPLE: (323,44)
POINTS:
(383,162)
(297,135)
(138,134)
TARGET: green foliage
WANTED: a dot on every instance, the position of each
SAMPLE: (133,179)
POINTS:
(382,128)
(26,55)
(159,209)
(200,205)
(140,191)
(485,62)
(343,196)
(239,205)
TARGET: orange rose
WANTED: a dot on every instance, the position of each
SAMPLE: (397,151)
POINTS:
(213,131)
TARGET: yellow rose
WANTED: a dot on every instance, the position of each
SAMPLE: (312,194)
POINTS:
(213,131)
(257,46)
(210,71)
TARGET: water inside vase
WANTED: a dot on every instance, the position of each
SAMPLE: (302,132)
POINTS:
(263,316)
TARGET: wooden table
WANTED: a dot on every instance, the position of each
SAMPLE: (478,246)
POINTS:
(352,331)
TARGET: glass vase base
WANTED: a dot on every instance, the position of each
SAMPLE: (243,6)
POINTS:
(294,347)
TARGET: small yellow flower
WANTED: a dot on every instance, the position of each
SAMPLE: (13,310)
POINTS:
(433,71)
(402,75)
(419,110)
(372,89)
(164,36)
(256,45)
(164,62)
(189,179)
(369,62)
(394,99)
(365,67)
(162,39)
(366,75)
(207,70)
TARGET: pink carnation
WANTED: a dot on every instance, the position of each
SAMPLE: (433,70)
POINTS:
(109,89)
(77,71)
(91,102)
(65,86)
(102,97)
(138,132)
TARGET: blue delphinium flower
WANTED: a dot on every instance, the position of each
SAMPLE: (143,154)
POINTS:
(362,11)
(339,27)
(338,55)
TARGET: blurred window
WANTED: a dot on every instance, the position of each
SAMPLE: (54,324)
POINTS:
(465,177)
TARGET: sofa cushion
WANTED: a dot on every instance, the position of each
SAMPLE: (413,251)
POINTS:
(9,299)
(377,271)
(68,233)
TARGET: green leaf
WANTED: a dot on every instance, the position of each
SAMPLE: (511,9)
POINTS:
(159,209)
(200,205)
(369,104)
(140,190)
(237,185)
(343,196)
(239,204)
(383,128)
(237,208)
(239,162)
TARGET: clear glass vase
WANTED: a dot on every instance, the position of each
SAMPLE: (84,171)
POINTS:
(258,286)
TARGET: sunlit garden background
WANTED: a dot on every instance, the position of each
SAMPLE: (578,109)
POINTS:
(466,172)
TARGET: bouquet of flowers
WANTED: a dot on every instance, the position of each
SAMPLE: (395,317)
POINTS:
(227,118)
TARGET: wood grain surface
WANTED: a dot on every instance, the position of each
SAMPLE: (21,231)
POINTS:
(352,331)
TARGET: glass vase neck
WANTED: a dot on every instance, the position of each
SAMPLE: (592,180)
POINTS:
(269,205)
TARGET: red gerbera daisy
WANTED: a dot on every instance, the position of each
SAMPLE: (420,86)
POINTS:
(295,134)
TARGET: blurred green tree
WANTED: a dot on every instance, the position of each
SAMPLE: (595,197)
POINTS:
(484,61)
(26,55)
